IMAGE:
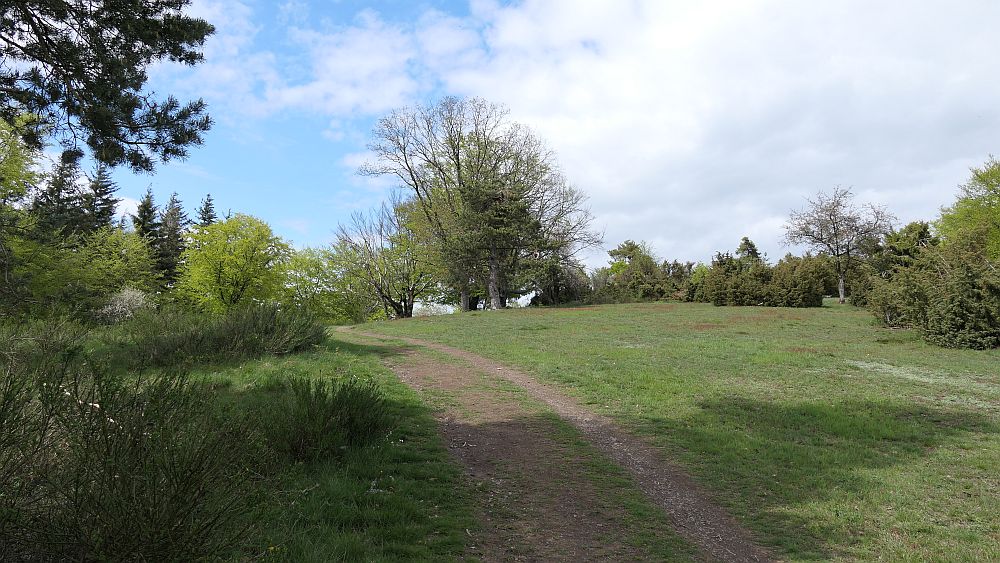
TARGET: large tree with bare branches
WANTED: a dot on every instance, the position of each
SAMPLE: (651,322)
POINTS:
(487,188)
(382,250)
(832,223)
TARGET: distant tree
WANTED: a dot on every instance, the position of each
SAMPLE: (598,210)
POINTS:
(17,177)
(82,278)
(747,251)
(57,207)
(384,252)
(320,281)
(490,192)
(831,223)
(634,274)
(145,220)
(79,66)
(98,200)
(170,242)
(231,262)
(975,215)
(206,212)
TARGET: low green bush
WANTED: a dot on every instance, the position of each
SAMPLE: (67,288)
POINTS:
(320,419)
(268,329)
(950,293)
(178,338)
(101,467)
(964,308)
(792,282)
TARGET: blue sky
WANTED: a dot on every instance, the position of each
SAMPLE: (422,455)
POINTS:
(689,124)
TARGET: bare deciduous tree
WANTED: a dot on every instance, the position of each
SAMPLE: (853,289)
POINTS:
(488,188)
(384,253)
(833,224)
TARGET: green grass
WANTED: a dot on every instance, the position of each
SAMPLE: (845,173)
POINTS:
(827,435)
(640,525)
(400,499)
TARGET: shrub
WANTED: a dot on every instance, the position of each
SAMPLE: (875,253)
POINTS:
(950,293)
(798,282)
(793,282)
(964,309)
(95,467)
(268,329)
(322,419)
(123,305)
(174,337)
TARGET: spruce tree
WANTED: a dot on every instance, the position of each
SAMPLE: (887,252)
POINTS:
(206,213)
(170,244)
(144,221)
(98,199)
(57,208)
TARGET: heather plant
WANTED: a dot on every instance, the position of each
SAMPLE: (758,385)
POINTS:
(95,466)
(322,419)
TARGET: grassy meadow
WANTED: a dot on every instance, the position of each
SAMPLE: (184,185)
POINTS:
(170,443)
(829,436)
(399,498)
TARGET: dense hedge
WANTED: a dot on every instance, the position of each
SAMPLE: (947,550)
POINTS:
(950,293)
(792,282)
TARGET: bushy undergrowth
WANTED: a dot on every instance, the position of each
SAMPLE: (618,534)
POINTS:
(179,338)
(792,282)
(318,419)
(111,465)
(100,467)
(951,294)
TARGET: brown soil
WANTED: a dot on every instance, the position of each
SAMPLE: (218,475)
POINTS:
(541,505)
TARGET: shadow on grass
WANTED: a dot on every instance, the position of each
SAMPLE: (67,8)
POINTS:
(769,457)
(395,495)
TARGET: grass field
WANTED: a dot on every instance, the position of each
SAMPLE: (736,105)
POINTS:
(402,498)
(827,435)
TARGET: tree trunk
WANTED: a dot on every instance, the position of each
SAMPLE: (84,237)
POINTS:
(496,299)
(464,299)
(840,288)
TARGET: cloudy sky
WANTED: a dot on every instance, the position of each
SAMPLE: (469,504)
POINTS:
(688,124)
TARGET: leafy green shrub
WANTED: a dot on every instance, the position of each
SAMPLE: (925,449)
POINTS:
(950,293)
(96,467)
(793,282)
(964,310)
(798,282)
(174,337)
(321,419)
(268,329)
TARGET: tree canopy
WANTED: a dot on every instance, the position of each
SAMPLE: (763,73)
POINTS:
(975,215)
(79,67)
(232,262)
(833,224)
(490,193)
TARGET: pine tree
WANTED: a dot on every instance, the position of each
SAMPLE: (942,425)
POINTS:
(99,201)
(57,208)
(206,213)
(170,244)
(144,221)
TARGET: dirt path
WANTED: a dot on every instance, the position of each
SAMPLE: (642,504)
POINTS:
(546,500)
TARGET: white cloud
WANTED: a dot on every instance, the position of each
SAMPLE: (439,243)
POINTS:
(126,208)
(689,124)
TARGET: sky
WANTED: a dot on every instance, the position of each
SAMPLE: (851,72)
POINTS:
(688,124)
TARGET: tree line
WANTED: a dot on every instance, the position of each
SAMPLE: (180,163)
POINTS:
(940,277)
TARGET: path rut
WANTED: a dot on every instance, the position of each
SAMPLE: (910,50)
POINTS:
(690,510)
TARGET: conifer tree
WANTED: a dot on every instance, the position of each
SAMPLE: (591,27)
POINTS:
(57,208)
(206,213)
(98,199)
(170,244)
(144,221)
